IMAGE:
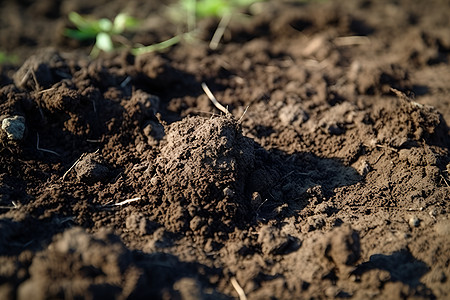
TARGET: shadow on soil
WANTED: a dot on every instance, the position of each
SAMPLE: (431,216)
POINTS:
(180,278)
(286,183)
(402,267)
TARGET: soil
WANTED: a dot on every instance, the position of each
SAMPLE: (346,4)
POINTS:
(328,178)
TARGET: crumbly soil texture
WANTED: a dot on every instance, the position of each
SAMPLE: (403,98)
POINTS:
(327,178)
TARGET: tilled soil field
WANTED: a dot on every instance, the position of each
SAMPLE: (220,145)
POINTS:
(328,178)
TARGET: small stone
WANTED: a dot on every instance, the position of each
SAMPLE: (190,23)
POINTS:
(433,213)
(274,242)
(332,291)
(14,127)
(228,192)
(256,200)
(364,168)
(155,180)
(414,222)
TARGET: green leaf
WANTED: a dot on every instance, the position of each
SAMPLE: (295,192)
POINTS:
(158,46)
(104,25)
(6,58)
(212,8)
(79,35)
(104,42)
(78,20)
(244,3)
(123,22)
(87,29)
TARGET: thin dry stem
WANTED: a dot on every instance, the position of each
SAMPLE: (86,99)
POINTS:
(226,18)
(46,90)
(15,206)
(214,100)
(243,114)
(42,149)
(25,77)
(127,201)
(351,40)
(73,166)
(38,87)
(238,289)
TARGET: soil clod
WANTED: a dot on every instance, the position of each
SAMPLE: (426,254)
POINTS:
(203,165)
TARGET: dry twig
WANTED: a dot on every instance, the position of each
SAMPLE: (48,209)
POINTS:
(238,289)
(351,40)
(220,31)
(73,166)
(214,100)
(127,201)
(243,114)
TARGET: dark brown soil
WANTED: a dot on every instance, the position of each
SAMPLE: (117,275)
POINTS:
(119,178)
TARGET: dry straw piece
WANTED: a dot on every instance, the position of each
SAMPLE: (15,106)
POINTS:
(214,100)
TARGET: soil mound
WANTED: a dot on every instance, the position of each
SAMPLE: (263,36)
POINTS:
(409,123)
(202,170)
(78,265)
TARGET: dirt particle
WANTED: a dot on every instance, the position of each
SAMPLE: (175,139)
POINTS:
(275,242)
(92,168)
(363,167)
(141,106)
(227,192)
(314,223)
(138,224)
(414,221)
(256,200)
(344,247)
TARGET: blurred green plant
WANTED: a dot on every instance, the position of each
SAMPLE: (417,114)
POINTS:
(107,34)
(102,30)
(193,10)
(8,58)
(214,8)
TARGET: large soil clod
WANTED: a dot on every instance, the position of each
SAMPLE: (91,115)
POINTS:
(202,168)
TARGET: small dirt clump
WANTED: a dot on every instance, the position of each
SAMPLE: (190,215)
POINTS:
(91,168)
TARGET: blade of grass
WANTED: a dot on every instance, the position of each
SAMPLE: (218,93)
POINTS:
(226,18)
(158,46)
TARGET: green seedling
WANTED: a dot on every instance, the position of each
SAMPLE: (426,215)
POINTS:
(102,30)
(192,10)
(215,8)
(105,32)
